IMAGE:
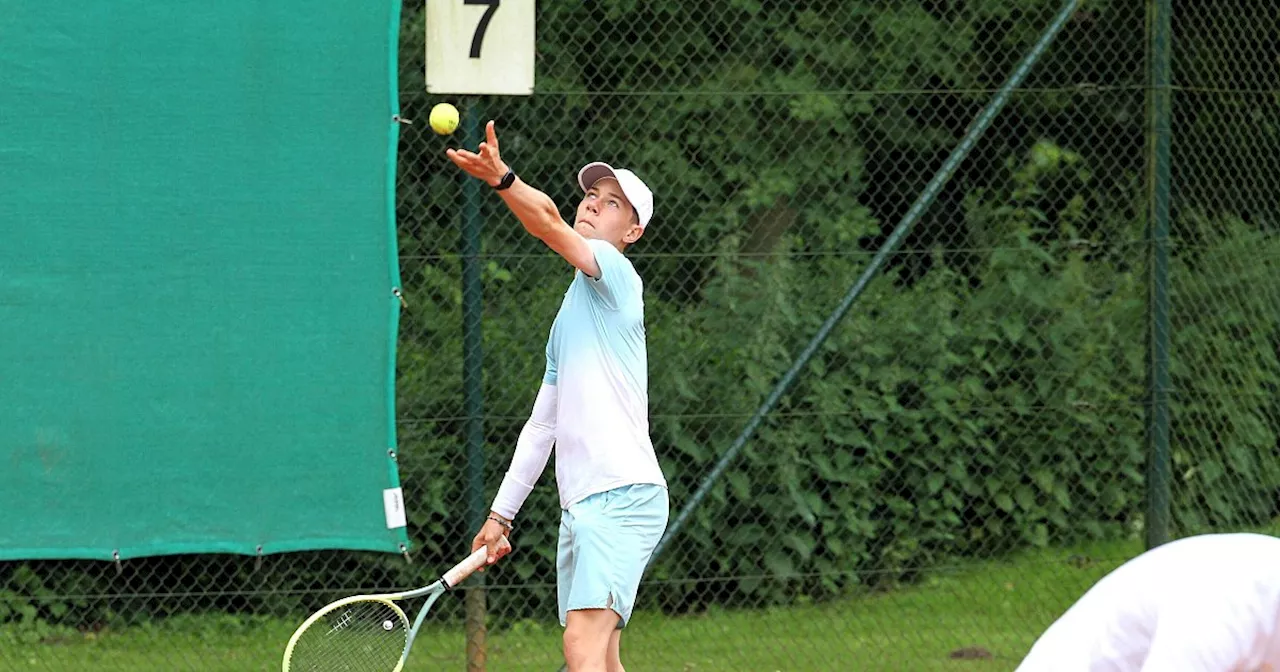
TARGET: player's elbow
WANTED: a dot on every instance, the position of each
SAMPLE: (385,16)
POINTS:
(543,220)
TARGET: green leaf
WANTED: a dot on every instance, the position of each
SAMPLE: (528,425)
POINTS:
(779,564)
(1025,497)
(739,485)
(1004,502)
(802,544)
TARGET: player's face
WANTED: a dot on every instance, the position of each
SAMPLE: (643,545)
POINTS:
(605,214)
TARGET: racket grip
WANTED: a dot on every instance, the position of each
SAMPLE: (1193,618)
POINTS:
(463,569)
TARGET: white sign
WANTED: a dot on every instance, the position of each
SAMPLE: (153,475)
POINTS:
(393,507)
(480,46)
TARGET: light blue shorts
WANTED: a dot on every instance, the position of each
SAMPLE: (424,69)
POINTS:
(605,542)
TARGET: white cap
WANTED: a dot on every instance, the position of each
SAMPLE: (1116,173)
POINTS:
(633,188)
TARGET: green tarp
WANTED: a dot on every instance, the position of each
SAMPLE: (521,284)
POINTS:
(197,264)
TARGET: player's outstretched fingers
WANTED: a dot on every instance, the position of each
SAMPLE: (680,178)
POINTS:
(472,164)
(458,157)
(491,136)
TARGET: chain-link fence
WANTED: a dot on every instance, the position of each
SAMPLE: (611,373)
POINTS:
(983,185)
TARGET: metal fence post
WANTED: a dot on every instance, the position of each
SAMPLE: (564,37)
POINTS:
(1158,458)
(473,382)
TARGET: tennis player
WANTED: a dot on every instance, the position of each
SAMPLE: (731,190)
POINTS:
(592,404)
(1209,603)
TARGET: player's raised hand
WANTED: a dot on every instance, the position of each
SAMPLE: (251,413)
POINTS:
(486,162)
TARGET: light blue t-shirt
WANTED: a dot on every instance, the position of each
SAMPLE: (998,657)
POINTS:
(596,359)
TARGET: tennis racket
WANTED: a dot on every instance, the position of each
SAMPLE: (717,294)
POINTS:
(368,633)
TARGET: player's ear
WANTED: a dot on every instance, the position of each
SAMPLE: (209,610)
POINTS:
(633,234)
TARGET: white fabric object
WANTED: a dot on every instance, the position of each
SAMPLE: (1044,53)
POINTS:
(597,359)
(530,458)
(1209,603)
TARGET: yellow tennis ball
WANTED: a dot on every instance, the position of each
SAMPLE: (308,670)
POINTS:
(444,118)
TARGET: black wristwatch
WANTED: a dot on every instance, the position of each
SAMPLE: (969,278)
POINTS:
(507,180)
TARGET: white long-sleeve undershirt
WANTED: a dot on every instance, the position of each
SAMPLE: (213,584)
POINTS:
(533,449)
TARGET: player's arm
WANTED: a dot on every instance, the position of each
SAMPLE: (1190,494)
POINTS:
(535,210)
(533,449)
(541,218)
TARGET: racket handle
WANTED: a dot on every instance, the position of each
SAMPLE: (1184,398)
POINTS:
(463,569)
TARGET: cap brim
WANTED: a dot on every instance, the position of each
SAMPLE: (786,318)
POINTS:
(594,172)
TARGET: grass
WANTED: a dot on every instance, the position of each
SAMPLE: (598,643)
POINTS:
(993,610)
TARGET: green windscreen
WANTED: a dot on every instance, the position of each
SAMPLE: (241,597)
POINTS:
(197,265)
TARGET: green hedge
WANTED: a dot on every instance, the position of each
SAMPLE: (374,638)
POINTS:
(992,402)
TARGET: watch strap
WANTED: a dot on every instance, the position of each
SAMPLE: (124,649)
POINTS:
(507,180)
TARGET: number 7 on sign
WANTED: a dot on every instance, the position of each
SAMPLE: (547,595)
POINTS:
(478,38)
(458,63)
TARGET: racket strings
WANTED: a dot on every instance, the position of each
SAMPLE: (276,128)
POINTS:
(364,636)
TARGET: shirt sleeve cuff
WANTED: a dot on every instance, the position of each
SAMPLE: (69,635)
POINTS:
(511,496)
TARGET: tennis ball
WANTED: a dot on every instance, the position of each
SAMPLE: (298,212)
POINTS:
(444,118)
(387,625)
